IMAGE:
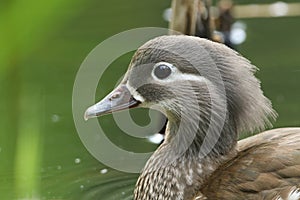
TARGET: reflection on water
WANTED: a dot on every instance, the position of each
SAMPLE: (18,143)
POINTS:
(114,188)
(86,183)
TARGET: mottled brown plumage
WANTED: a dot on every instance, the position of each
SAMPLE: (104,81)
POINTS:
(209,94)
(266,165)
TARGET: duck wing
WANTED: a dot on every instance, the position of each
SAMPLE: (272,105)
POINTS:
(267,167)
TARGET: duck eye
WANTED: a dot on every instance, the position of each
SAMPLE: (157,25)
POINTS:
(162,71)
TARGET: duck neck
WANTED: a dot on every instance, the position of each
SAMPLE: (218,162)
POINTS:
(180,166)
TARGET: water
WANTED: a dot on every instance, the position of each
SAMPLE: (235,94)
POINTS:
(88,183)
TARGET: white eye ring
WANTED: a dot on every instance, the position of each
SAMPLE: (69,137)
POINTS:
(162,70)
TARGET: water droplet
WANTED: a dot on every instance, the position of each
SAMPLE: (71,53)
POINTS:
(59,167)
(123,193)
(81,186)
(238,33)
(167,14)
(103,171)
(77,160)
(279,9)
(238,36)
(55,118)
(156,138)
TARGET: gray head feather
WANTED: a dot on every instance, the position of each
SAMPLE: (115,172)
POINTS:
(247,105)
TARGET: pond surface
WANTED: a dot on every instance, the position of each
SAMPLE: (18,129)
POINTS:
(41,155)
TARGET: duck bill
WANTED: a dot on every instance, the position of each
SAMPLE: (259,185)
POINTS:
(119,99)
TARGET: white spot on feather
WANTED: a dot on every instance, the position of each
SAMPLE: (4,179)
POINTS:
(294,194)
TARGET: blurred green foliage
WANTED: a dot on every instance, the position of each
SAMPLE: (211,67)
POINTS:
(26,24)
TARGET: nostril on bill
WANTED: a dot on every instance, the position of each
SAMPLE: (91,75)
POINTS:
(115,96)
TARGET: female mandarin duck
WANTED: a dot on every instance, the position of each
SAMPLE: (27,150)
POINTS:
(209,94)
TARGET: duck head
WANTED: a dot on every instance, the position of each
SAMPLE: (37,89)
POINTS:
(193,78)
(208,93)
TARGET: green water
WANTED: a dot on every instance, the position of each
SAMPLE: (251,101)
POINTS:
(41,155)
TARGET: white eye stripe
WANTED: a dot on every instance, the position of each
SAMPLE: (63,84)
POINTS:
(189,77)
(176,75)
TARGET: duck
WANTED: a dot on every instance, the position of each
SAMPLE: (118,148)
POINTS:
(210,96)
